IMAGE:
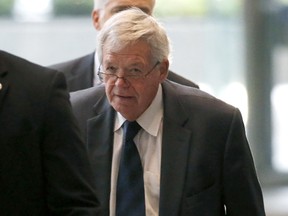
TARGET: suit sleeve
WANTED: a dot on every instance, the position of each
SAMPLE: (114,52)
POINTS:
(68,174)
(242,192)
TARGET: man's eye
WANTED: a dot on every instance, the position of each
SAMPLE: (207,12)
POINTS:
(135,71)
(111,69)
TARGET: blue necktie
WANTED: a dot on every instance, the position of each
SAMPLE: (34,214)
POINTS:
(130,198)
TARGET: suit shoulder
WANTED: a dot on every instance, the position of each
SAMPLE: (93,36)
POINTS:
(196,98)
(88,95)
(30,83)
(23,69)
(84,102)
(74,64)
(181,80)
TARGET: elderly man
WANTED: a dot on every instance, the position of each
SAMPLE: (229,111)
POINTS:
(81,73)
(190,155)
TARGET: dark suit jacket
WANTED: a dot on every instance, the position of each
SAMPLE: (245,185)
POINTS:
(79,73)
(206,161)
(44,168)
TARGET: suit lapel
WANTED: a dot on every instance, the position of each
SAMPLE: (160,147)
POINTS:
(100,147)
(173,168)
(175,150)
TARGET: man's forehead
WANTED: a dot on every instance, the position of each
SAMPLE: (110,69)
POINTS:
(126,56)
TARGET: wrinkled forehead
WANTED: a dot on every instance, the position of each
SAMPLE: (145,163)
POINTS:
(124,59)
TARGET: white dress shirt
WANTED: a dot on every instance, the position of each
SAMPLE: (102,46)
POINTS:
(148,142)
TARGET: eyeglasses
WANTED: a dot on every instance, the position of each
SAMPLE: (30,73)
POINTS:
(112,77)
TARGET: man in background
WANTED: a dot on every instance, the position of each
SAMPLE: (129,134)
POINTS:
(81,73)
(44,167)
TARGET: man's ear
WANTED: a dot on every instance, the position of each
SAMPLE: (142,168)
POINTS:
(96,19)
(164,67)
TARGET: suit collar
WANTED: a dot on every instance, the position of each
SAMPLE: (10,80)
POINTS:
(176,112)
(175,148)
(100,146)
(102,105)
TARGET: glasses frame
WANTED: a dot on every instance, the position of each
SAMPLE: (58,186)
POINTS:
(127,78)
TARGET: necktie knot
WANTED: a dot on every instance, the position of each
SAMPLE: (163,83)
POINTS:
(130,129)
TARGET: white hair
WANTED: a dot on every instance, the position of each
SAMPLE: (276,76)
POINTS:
(130,26)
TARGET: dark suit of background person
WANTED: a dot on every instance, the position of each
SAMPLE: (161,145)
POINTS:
(206,161)
(43,162)
(79,73)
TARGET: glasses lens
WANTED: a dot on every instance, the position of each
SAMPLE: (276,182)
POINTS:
(111,78)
